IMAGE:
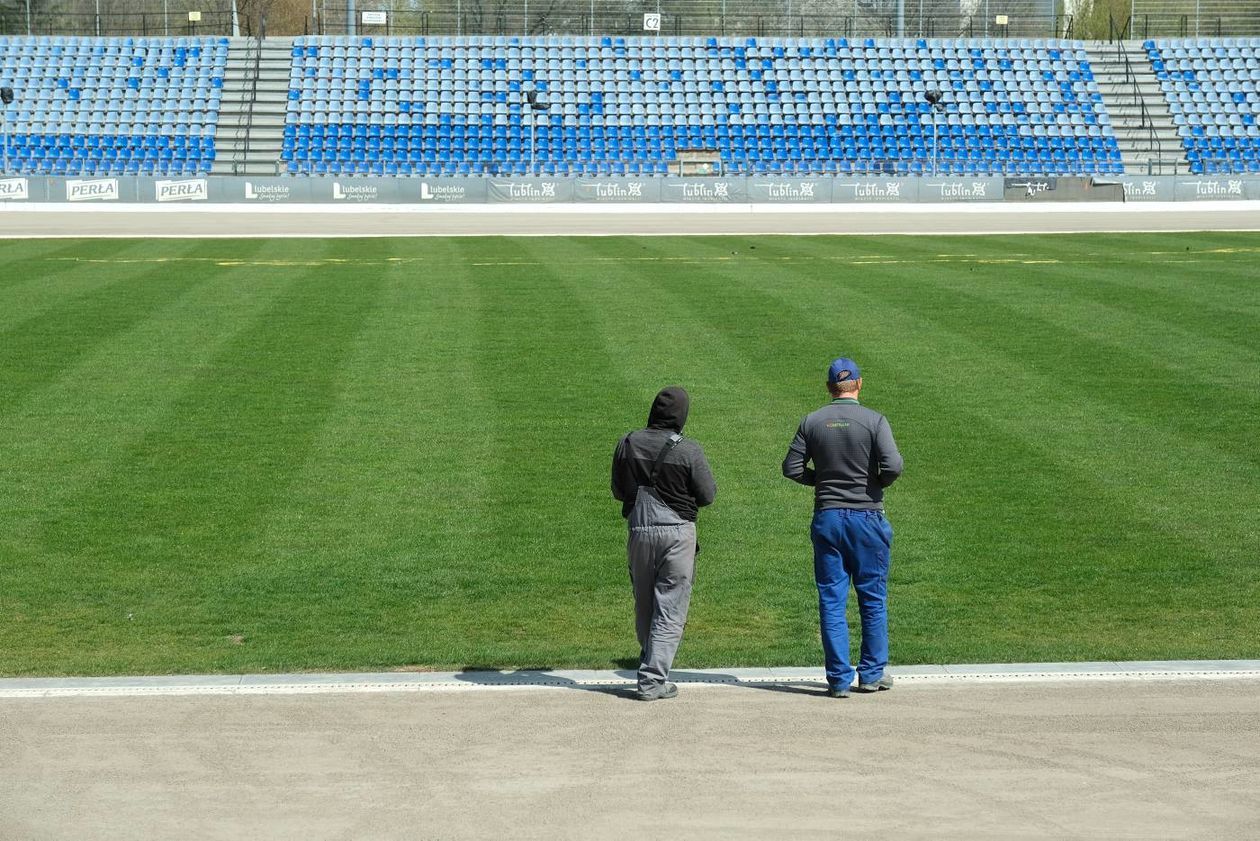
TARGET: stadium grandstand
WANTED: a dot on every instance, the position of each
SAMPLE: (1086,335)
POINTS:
(625,106)
(564,105)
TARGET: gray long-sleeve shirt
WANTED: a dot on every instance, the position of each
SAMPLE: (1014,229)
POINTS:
(854,456)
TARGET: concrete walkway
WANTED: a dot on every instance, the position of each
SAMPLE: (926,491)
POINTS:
(1122,757)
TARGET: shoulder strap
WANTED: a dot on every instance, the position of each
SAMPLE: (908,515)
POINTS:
(674,438)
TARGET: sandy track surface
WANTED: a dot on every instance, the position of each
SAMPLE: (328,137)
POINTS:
(1055,761)
(602,220)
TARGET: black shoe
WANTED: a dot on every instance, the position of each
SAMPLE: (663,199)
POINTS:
(835,692)
(660,693)
(882,685)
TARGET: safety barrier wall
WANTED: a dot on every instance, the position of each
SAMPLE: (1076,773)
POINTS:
(740,190)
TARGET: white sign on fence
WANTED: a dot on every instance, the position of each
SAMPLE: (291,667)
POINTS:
(375,18)
(651,22)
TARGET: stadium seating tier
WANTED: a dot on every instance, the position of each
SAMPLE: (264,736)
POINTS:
(1211,86)
(626,106)
(112,106)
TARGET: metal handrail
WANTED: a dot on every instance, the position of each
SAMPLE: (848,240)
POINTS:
(1147,121)
(249,97)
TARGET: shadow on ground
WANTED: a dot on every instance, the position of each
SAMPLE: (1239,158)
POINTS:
(544,676)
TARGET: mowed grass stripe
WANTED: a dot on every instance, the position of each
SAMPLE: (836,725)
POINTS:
(988,511)
(37,350)
(384,515)
(447,414)
(1138,371)
(762,376)
(1212,308)
(652,331)
(1118,408)
(81,433)
(551,592)
(78,427)
(34,266)
(155,537)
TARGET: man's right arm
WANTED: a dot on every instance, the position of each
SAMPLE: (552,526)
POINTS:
(797,458)
(890,461)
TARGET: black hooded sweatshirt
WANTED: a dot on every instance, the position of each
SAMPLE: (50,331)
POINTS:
(685,482)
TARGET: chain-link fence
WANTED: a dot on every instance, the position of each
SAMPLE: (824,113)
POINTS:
(1089,19)
(1188,19)
(349,21)
(775,18)
(105,18)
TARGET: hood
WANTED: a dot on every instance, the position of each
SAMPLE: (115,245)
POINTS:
(669,409)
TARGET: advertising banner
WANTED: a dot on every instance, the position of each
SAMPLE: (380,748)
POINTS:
(773,190)
(1030,188)
(99,189)
(1210,188)
(174,189)
(1063,188)
(948,189)
(15,189)
(710,190)
(617,190)
(873,190)
(355,190)
(1150,188)
(444,190)
(263,190)
(736,189)
(531,191)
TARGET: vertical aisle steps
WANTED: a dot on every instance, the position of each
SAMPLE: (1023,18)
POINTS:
(1144,127)
(251,117)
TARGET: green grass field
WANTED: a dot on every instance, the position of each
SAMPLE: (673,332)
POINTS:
(371,454)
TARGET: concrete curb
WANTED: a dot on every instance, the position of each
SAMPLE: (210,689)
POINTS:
(308,684)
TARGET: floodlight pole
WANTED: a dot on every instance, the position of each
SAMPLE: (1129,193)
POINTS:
(6,97)
(534,106)
(932,97)
(934,147)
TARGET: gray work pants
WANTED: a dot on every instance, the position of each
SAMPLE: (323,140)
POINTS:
(662,553)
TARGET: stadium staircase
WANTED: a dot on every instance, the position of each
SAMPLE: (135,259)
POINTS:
(255,95)
(1139,112)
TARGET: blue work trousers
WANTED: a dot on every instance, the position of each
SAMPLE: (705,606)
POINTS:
(855,545)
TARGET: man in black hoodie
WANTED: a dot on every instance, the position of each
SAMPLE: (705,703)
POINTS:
(662,480)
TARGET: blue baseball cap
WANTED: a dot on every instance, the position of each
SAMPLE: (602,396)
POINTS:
(842,369)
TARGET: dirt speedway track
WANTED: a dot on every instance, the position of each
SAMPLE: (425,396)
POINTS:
(601,220)
(1093,760)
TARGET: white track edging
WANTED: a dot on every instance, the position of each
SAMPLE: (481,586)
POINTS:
(318,684)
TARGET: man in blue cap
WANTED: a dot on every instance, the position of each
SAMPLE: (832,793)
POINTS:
(854,458)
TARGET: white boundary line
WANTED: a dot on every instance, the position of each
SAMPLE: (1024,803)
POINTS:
(321,684)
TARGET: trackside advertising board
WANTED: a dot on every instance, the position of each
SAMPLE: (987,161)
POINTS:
(434,192)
